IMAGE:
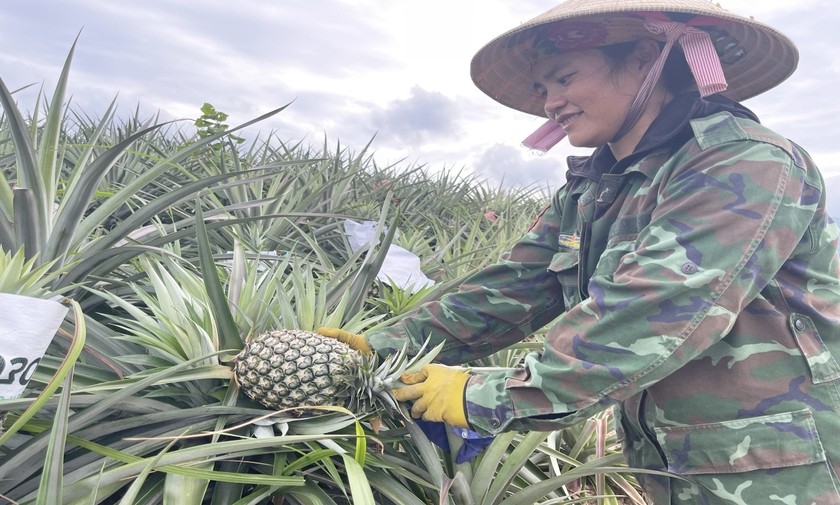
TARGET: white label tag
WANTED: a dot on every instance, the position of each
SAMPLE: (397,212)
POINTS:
(27,326)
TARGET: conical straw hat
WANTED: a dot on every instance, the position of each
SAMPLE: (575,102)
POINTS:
(754,56)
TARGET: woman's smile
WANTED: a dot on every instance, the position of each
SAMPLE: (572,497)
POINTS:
(567,119)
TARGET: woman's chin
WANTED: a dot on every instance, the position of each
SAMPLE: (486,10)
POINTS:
(576,141)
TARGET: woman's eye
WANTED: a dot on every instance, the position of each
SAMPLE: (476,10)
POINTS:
(564,80)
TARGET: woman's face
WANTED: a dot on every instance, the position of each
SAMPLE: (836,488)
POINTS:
(586,95)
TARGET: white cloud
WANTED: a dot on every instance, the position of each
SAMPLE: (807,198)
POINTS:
(832,185)
(509,165)
(423,117)
(358,68)
(761,9)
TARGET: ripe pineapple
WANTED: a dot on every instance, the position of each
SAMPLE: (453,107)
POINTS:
(290,369)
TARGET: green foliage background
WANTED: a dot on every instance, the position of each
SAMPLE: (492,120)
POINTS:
(173,249)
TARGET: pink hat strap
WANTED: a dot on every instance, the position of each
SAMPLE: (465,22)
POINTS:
(545,137)
(697,46)
(700,55)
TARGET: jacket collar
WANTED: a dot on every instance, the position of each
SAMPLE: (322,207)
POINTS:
(669,130)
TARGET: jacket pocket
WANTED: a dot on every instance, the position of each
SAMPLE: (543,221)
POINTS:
(823,366)
(565,264)
(754,459)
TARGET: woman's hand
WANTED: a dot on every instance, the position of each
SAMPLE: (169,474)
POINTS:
(437,392)
(356,341)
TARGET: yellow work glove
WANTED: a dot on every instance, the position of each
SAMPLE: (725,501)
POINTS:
(437,392)
(355,341)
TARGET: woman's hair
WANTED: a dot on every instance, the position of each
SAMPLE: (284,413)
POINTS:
(676,75)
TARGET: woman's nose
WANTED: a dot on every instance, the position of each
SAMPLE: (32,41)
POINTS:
(554,102)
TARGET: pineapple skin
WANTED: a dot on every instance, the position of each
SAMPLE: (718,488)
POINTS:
(289,369)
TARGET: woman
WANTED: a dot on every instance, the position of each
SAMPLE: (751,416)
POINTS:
(688,266)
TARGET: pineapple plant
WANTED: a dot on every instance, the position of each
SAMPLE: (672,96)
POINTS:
(151,417)
(294,369)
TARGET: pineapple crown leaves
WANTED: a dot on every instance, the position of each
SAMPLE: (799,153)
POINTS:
(387,374)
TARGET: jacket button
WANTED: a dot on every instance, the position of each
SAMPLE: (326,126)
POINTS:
(495,423)
(799,324)
(689,268)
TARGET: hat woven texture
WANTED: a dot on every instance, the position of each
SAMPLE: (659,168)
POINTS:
(502,68)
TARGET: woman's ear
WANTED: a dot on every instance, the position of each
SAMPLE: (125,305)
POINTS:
(644,55)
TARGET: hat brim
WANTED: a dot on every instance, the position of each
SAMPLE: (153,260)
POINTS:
(502,68)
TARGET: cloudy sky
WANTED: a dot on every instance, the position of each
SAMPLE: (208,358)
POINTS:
(396,72)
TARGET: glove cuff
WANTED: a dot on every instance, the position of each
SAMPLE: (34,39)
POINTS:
(464,404)
(463,422)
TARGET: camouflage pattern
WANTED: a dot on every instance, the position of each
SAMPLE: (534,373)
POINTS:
(694,290)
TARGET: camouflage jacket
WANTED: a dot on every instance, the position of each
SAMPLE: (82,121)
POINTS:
(693,285)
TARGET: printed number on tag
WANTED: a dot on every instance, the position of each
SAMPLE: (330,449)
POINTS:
(19,370)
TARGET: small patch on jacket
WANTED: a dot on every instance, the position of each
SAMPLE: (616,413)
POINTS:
(569,241)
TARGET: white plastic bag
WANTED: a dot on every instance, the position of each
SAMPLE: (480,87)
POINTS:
(401,267)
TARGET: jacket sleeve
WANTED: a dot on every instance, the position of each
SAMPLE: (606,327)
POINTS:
(726,218)
(493,308)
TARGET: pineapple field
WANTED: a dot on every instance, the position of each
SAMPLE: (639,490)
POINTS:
(195,267)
